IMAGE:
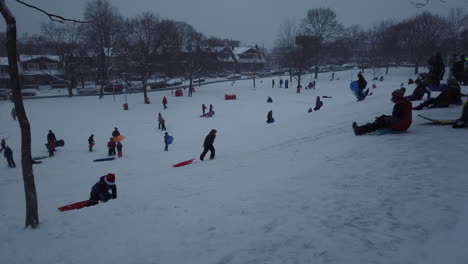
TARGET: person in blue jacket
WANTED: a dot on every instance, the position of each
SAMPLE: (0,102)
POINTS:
(166,141)
(100,190)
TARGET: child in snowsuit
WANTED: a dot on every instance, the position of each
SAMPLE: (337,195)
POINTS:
(166,141)
(9,157)
(164,102)
(119,149)
(163,123)
(318,103)
(100,190)
(111,146)
(51,148)
(91,142)
(208,145)
(270,118)
(400,120)
(115,133)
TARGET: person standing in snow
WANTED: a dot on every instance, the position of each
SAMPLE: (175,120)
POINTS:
(436,69)
(9,157)
(100,190)
(286,84)
(91,142)
(211,108)
(119,149)
(281,83)
(159,120)
(13,113)
(163,124)
(272,83)
(208,145)
(164,102)
(116,132)
(3,145)
(400,120)
(166,141)
(203,107)
(111,147)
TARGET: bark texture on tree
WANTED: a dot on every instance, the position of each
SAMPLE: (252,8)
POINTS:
(32,216)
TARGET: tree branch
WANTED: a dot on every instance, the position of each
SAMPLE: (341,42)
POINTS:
(418,4)
(53,17)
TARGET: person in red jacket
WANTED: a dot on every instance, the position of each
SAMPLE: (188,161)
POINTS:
(400,120)
(111,146)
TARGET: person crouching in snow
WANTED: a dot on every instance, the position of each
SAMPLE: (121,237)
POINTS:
(119,149)
(270,118)
(111,146)
(100,190)
(400,120)
(269,100)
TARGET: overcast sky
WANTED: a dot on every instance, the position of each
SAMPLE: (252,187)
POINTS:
(250,21)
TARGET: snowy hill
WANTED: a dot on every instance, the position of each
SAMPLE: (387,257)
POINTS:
(302,190)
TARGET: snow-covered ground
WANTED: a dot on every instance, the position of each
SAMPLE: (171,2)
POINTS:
(302,190)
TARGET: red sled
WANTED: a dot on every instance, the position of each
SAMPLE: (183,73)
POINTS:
(183,163)
(73,206)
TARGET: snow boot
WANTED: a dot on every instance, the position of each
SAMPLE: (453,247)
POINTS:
(367,128)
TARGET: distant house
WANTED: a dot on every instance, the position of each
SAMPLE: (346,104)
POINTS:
(41,69)
(241,59)
(4,73)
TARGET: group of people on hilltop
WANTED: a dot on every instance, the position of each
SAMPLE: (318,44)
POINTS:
(401,117)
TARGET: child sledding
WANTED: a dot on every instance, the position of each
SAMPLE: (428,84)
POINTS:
(400,120)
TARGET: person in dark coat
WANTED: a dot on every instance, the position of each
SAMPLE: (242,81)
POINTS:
(51,138)
(13,113)
(272,83)
(400,120)
(159,120)
(100,190)
(211,108)
(269,100)
(318,103)
(9,157)
(421,89)
(91,142)
(116,132)
(459,68)
(281,83)
(270,118)
(362,82)
(208,145)
(119,149)
(111,146)
(164,102)
(436,69)
(451,95)
(2,145)
(203,107)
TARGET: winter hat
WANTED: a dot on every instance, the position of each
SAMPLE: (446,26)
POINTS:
(166,133)
(110,179)
(398,93)
(214,131)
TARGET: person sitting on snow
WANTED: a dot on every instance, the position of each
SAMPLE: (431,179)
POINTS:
(100,190)
(400,120)
(450,95)
(269,100)
(421,89)
(318,103)
(270,118)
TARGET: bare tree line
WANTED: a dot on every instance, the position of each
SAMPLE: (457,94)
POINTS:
(410,40)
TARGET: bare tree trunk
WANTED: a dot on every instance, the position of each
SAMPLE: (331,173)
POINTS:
(145,92)
(416,68)
(68,78)
(316,71)
(386,69)
(32,216)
